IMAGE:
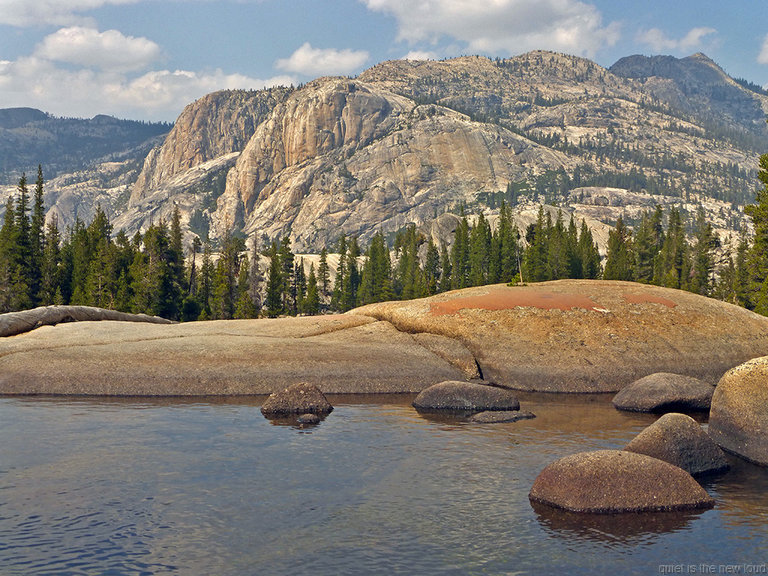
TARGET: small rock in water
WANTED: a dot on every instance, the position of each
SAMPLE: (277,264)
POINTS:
(680,440)
(665,392)
(501,416)
(456,395)
(301,398)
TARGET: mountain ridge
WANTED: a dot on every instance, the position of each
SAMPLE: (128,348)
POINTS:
(406,141)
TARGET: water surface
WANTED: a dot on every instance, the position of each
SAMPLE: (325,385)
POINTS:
(210,487)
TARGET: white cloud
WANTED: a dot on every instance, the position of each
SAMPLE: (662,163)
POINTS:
(660,42)
(109,50)
(503,26)
(420,55)
(311,61)
(155,95)
(762,58)
(57,12)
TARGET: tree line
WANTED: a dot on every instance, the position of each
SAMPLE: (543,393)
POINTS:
(150,273)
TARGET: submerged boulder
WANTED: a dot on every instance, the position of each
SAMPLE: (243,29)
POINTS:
(664,391)
(501,416)
(738,419)
(680,440)
(456,395)
(613,481)
(301,398)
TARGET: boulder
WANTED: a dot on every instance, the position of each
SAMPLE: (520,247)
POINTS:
(680,440)
(613,481)
(585,335)
(501,416)
(738,418)
(465,396)
(301,398)
(665,392)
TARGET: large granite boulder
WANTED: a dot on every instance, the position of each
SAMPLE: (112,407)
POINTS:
(738,418)
(300,399)
(612,481)
(680,440)
(664,392)
(585,335)
(465,396)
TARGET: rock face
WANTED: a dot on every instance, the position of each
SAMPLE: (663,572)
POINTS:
(339,354)
(456,395)
(300,398)
(664,392)
(501,416)
(583,335)
(738,418)
(679,440)
(613,481)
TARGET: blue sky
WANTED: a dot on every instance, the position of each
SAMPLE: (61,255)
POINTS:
(147,59)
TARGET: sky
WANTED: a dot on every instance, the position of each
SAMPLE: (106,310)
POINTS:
(147,59)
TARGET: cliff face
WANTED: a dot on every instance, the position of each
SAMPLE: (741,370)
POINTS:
(349,156)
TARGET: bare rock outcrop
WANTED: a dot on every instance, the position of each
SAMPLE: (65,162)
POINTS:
(738,418)
(585,335)
(339,354)
(614,481)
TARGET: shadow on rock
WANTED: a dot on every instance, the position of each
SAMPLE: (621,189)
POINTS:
(628,529)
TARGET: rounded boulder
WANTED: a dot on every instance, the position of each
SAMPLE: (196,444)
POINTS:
(465,396)
(680,440)
(663,392)
(614,481)
(738,418)
(301,398)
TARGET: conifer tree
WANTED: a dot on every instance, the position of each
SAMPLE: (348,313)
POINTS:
(757,257)
(274,297)
(619,263)
(445,274)
(479,252)
(337,298)
(702,260)
(588,253)
(245,307)
(312,302)
(432,268)
(672,266)
(535,268)
(460,265)
(375,282)
(323,278)
(255,275)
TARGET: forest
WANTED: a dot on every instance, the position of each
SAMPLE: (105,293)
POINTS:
(152,273)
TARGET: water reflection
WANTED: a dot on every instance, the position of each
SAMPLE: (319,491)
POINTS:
(627,529)
(209,486)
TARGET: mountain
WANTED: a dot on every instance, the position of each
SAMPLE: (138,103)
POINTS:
(407,141)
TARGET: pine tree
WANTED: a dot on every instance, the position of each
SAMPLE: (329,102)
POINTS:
(323,278)
(619,263)
(672,266)
(649,239)
(375,282)
(479,252)
(445,274)
(37,237)
(50,273)
(337,298)
(588,253)
(460,265)
(535,268)
(312,302)
(757,257)
(702,261)
(255,275)
(432,268)
(245,307)
(274,297)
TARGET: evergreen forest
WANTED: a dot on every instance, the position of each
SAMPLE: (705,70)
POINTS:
(154,273)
